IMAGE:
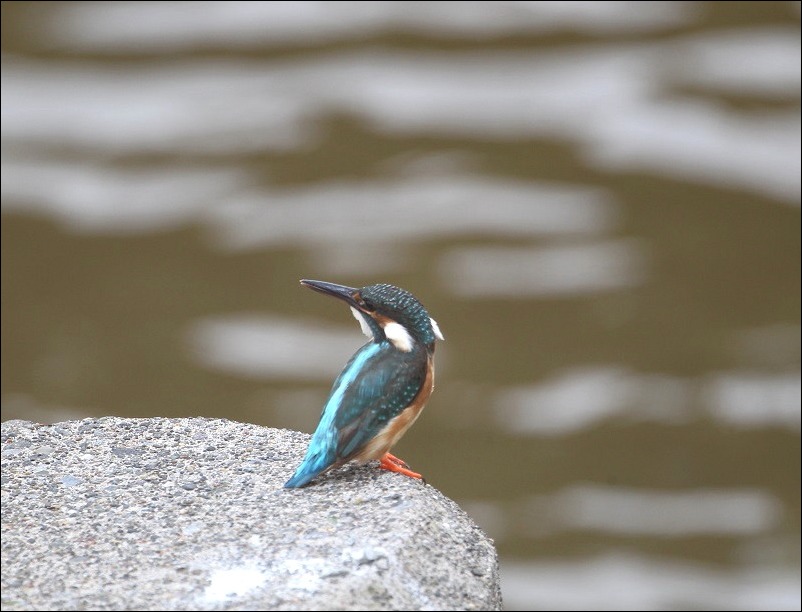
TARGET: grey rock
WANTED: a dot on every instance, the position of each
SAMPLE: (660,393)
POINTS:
(191,514)
(70,481)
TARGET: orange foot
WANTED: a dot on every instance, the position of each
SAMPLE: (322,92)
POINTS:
(392,463)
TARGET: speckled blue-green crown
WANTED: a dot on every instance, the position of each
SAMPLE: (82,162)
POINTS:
(400,305)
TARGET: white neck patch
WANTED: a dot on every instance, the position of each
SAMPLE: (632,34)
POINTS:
(399,336)
(362,323)
(436,329)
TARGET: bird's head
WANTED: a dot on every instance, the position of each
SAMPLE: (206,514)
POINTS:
(385,311)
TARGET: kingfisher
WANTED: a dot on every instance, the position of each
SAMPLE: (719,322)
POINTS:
(382,389)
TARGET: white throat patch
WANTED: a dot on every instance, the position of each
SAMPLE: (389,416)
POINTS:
(399,336)
(362,323)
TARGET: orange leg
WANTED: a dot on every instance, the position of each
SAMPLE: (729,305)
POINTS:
(396,460)
(391,463)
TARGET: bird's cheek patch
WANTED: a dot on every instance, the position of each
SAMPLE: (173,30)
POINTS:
(399,336)
(436,329)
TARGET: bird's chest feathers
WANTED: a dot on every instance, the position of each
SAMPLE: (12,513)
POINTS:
(398,425)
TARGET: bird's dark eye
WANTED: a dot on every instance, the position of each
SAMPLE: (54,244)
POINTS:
(364,304)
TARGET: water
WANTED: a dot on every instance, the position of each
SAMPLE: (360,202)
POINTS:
(598,202)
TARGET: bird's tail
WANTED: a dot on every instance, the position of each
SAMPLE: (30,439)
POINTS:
(313,464)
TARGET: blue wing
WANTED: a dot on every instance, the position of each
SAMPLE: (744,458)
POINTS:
(376,385)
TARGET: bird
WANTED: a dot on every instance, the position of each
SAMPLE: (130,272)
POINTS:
(383,387)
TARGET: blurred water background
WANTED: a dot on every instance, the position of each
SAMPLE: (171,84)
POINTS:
(598,201)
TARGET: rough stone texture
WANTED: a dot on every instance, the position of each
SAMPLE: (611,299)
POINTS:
(166,514)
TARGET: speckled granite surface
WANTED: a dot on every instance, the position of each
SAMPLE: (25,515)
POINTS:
(165,514)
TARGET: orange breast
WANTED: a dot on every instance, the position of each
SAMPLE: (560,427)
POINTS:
(397,426)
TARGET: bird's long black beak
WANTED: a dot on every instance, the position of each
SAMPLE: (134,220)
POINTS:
(339,291)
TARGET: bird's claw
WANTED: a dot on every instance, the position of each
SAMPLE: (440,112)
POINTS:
(391,463)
